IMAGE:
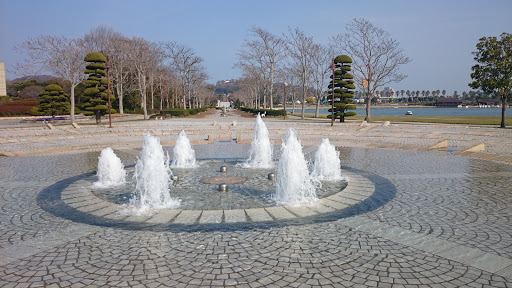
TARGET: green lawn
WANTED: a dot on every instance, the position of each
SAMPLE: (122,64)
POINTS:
(469,120)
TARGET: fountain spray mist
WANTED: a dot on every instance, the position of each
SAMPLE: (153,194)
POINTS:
(184,155)
(111,171)
(294,185)
(327,163)
(260,153)
(152,177)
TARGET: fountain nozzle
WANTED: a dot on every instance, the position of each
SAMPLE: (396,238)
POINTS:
(223,187)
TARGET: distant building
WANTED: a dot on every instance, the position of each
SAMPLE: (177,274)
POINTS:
(387,95)
(3,86)
(223,104)
(488,102)
(448,102)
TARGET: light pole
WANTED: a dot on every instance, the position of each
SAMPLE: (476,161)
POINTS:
(284,101)
(108,93)
(332,97)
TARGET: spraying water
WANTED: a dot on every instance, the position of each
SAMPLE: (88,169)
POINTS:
(260,153)
(327,163)
(111,171)
(184,155)
(294,185)
(152,177)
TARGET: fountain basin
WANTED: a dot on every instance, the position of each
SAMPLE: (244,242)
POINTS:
(197,188)
(358,190)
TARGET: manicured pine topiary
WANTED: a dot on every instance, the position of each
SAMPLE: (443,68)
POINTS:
(343,88)
(95,95)
(53,101)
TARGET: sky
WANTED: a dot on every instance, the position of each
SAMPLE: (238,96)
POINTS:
(439,36)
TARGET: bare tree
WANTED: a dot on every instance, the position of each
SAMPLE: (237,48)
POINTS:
(120,66)
(252,61)
(183,61)
(61,56)
(322,57)
(377,57)
(300,48)
(273,53)
(141,58)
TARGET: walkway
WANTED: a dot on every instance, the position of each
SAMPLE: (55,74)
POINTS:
(417,218)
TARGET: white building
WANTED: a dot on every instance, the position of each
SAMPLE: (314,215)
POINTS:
(3,87)
(223,104)
(388,95)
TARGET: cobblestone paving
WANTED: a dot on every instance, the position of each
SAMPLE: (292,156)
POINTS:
(446,224)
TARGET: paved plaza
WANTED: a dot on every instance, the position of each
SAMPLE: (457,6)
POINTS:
(425,206)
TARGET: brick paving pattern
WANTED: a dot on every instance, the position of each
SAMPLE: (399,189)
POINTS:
(416,218)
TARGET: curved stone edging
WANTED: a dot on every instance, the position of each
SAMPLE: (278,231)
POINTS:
(78,196)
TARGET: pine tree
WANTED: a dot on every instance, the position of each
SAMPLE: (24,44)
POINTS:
(343,88)
(95,95)
(53,101)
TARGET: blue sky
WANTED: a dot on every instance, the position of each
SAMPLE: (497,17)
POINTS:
(438,35)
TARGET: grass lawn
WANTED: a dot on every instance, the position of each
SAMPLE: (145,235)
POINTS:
(468,120)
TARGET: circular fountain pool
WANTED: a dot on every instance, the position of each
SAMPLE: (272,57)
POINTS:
(250,187)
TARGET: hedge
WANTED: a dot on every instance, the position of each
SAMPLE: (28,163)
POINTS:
(269,112)
(179,112)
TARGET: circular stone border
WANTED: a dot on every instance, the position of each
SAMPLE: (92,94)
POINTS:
(79,196)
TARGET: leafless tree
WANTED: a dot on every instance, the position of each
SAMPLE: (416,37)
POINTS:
(291,75)
(30,92)
(322,58)
(273,48)
(251,60)
(195,78)
(300,48)
(184,61)
(61,56)
(120,70)
(377,57)
(141,59)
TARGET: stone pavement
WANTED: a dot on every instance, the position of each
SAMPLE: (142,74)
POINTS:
(416,218)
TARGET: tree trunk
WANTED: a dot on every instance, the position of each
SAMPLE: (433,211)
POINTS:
(271,85)
(503,114)
(317,111)
(303,98)
(293,100)
(368,101)
(142,90)
(152,95)
(189,98)
(119,85)
(265,97)
(72,98)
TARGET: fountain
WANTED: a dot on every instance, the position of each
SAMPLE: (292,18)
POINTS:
(152,177)
(111,171)
(294,185)
(184,155)
(260,153)
(327,163)
(198,189)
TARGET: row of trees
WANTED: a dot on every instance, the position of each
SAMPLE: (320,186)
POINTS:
(295,58)
(152,75)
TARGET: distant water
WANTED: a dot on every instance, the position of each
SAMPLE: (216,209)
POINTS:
(418,111)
